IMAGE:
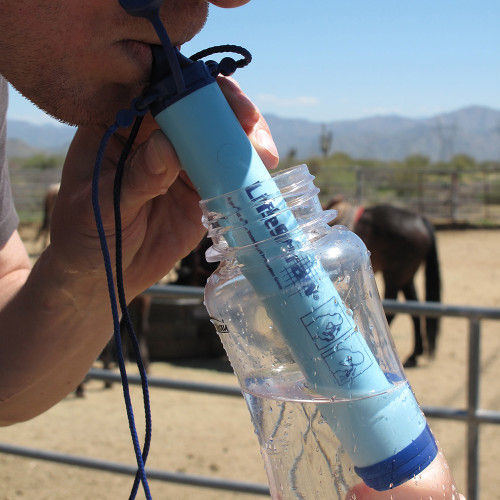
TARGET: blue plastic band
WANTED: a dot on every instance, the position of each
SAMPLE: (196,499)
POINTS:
(403,466)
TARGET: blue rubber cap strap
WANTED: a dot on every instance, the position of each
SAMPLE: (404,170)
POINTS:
(403,466)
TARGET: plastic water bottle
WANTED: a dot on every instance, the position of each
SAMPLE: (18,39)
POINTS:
(302,323)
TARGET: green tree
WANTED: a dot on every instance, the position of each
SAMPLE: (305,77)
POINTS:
(340,159)
(417,161)
(463,162)
(43,162)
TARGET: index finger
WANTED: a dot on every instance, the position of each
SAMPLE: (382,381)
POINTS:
(252,121)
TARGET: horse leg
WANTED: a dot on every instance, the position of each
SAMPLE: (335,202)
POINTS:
(139,310)
(80,390)
(432,289)
(410,293)
(106,356)
(143,330)
(391,293)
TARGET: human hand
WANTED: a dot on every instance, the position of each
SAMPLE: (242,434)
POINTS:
(228,4)
(435,481)
(161,218)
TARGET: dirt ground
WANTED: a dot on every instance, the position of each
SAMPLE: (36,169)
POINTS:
(212,435)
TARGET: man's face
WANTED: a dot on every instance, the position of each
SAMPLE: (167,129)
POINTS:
(82,60)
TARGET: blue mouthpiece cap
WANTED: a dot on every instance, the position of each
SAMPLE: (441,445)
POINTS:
(141,8)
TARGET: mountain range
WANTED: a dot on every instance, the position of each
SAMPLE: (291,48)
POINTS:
(474,130)
(24,139)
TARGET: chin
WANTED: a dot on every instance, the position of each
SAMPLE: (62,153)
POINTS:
(98,110)
(83,115)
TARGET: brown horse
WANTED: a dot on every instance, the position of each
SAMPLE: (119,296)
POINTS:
(399,241)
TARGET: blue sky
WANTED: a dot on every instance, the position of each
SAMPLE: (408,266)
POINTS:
(326,60)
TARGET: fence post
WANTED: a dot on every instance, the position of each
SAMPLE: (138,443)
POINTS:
(454,195)
(472,408)
(359,185)
(486,196)
(420,194)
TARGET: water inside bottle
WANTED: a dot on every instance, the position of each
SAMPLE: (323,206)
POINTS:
(303,457)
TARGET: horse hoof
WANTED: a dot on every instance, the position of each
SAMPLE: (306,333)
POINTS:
(411,362)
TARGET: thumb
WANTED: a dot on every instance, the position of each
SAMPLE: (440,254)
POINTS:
(150,172)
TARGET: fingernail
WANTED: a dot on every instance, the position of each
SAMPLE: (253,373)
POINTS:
(265,141)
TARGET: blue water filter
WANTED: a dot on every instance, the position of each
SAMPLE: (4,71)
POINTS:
(387,438)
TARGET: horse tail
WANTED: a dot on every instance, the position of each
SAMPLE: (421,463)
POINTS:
(432,287)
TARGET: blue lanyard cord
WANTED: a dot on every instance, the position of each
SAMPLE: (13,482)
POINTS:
(141,473)
(122,297)
(169,51)
(125,118)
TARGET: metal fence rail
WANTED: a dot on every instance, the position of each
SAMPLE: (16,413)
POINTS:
(131,470)
(472,415)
